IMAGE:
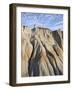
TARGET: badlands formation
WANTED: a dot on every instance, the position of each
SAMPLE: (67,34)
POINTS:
(41,52)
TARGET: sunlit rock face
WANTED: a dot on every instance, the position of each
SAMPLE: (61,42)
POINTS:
(41,52)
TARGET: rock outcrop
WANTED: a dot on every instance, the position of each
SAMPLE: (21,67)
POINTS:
(41,52)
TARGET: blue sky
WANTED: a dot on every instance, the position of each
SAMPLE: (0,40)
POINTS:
(51,21)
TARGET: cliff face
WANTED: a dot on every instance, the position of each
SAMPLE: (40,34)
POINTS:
(41,52)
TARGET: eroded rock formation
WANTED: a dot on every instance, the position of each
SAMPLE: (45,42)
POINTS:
(41,52)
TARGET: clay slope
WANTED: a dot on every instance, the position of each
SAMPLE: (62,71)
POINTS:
(41,52)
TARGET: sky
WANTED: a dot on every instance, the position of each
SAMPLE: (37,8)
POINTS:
(51,21)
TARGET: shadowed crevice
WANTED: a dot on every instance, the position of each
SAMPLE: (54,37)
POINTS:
(33,64)
(57,38)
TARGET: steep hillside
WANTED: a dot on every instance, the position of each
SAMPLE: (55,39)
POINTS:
(41,52)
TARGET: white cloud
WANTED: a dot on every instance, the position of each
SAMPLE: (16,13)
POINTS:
(59,23)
